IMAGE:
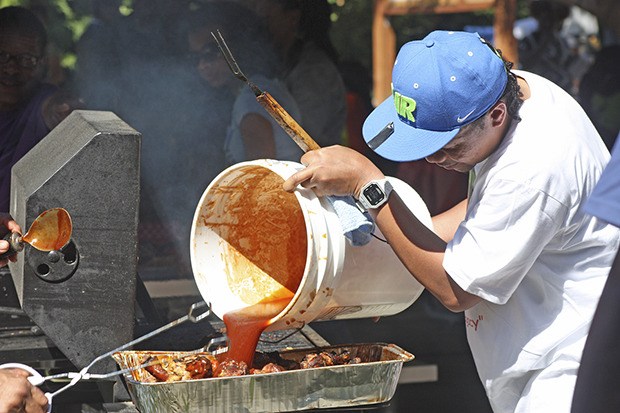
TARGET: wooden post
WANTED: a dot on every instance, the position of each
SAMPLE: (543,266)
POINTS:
(505,15)
(384,38)
(383,52)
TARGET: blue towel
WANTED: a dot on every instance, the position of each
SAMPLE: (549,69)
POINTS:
(357,226)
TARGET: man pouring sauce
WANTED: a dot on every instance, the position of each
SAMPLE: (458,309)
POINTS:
(519,256)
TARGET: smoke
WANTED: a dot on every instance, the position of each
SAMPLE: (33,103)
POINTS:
(137,68)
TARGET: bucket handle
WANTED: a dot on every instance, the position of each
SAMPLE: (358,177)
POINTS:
(298,329)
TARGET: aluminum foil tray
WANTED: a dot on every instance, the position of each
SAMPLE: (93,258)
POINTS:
(371,382)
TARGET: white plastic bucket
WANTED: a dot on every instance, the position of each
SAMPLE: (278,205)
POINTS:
(247,232)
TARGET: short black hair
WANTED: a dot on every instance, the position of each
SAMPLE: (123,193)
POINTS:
(512,95)
(20,20)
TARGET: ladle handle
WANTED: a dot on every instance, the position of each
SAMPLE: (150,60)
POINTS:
(16,244)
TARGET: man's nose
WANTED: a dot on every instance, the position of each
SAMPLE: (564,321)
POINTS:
(437,157)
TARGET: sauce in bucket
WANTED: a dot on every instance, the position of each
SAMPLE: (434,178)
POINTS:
(265,242)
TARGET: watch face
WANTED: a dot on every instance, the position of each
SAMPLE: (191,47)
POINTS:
(374,194)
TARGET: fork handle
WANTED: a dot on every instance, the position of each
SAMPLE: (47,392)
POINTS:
(286,121)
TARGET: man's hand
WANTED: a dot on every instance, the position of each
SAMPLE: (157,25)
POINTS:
(335,170)
(58,106)
(7,224)
(18,395)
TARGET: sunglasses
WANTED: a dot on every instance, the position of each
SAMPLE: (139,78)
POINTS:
(25,60)
(209,53)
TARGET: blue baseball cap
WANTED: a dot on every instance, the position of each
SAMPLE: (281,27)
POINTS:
(439,84)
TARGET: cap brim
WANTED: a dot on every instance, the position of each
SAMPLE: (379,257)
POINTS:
(406,143)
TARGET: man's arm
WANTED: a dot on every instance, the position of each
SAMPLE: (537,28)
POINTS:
(337,170)
(446,223)
(258,139)
(422,251)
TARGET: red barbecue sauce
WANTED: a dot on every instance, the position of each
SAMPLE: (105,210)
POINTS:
(266,235)
(245,326)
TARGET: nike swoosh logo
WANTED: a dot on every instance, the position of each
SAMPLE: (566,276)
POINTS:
(464,118)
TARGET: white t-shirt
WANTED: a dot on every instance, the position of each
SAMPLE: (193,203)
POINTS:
(286,148)
(530,251)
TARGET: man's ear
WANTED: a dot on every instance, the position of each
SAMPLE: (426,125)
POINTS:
(498,114)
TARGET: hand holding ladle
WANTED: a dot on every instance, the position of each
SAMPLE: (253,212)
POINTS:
(50,231)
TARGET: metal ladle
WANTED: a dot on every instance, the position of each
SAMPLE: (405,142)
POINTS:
(50,231)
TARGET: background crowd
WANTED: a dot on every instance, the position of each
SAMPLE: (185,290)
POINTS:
(153,70)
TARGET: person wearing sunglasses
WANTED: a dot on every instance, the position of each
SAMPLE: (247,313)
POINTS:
(29,108)
(300,30)
(252,133)
(519,257)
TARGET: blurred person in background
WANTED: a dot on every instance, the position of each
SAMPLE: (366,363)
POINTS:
(300,30)
(599,93)
(29,108)
(97,75)
(134,66)
(252,132)
(545,51)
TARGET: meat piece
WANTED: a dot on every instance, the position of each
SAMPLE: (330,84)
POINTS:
(268,368)
(324,359)
(157,371)
(230,368)
(342,358)
(345,358)
(190,367)
(355,360)
(199,368)
(262,359)
(313,360)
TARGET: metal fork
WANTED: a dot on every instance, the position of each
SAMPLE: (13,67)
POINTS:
(232,63)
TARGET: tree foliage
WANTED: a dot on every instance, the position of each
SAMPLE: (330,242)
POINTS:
(66,20)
